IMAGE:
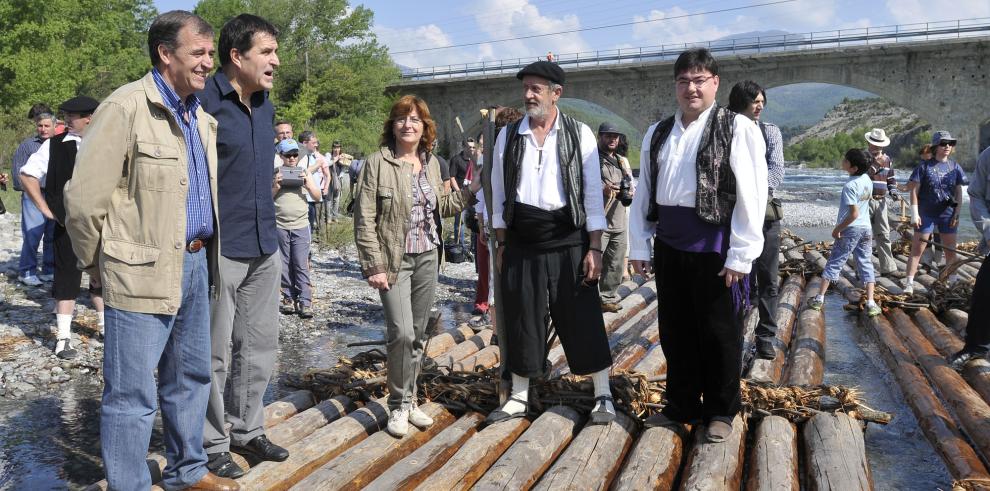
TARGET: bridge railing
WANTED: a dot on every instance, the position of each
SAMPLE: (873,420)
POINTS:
(760,44)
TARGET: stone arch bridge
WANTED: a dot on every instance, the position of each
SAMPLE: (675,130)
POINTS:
(944,82)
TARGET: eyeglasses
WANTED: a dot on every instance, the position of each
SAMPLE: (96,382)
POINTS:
(291,155)
(685,83)
(947,144)
(412,121)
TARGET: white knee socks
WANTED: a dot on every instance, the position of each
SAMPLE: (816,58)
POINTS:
(600,379)
(64,324)
(520,392)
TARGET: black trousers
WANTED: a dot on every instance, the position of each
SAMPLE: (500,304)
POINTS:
(542,284)
(978,326)
(765,281)
(701,335)
(67,274)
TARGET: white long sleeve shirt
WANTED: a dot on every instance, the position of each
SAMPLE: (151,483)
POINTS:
(37,164)
(540,182)
(677,185)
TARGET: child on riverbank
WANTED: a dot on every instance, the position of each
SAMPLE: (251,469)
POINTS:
(853,233)
(294,236)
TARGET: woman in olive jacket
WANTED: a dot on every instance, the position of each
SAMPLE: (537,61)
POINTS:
(399,202)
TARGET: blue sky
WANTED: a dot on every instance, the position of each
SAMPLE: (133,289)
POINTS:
(405,26)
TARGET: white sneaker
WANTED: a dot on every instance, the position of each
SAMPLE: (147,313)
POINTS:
(908,288)
(30,280)
(398,423)
(953,279)
(47,278)
(418,418)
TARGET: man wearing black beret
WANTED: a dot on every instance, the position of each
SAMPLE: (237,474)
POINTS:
(548,215)
(43,178)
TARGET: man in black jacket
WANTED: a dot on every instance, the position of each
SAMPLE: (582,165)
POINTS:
(51,167)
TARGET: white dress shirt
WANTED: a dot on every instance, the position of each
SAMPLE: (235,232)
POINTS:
(541,183)
(37,164)
(677,185)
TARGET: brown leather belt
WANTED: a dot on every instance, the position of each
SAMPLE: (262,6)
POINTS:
(195,245)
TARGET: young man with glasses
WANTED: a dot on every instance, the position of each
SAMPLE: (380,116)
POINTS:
(702,197)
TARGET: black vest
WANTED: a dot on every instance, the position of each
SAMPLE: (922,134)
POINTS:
(568,157)
(61,162)
(716,194)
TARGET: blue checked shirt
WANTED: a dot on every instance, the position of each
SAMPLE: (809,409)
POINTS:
(27,147)
(199,201)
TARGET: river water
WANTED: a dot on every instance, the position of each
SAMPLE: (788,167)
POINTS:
(52,442)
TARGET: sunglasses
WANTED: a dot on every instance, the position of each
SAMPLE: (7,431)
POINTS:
(947,144)
(293,155)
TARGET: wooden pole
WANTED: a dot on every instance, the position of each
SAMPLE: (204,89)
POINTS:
(976,373)
(835,453)
(654,460)
(288,406)
(636,350)
(957,320)
(353,469)
(592,460)
(933,418)
(526,460)
(970,409)
(788,302)
(653,363)
(416,468)
(475,457)
(481,360)
(773,458)
(443,342)
(712,466)
(317,449)
(301,425)
(469,347)
(806,365)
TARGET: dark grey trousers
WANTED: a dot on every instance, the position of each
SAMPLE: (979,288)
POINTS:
(244,338)
(765,281)
(613,255)
(294,246)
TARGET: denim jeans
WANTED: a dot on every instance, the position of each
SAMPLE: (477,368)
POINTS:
(858,242)
(34,227)
(179,347)
(459,228)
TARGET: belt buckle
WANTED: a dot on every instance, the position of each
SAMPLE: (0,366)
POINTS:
(194,245)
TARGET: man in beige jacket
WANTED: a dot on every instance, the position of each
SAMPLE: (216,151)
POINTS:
(141,210)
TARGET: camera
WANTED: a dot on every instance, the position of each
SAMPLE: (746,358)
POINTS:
(292,177)
(625,191)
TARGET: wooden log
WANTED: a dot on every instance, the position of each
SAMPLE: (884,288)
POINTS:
(446,340)
(788,302)
(749,330)
(473,345)
(288,406)
(933,418)
(475,457)
(636,350)
(921,275)
(773,459)
(848,291)
(301,425)
(957,320)
(835,454)
(716,466)
(970,409)
(481,360)
(806,364)
(275,413)
(653,363)
(318,448)
(654,460)
(976,373)
(526,460)
(353,469)
(417,466)
(593,459)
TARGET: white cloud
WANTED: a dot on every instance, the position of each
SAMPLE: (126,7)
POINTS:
(915,11)
(503,19)
(674,26)
(410,38)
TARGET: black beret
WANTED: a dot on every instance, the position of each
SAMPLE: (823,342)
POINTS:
(607,127)
(80,105)
(543,69)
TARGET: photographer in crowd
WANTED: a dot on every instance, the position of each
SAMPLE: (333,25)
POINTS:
(618,195)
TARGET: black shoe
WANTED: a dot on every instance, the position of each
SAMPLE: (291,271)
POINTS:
(303,311)
(481,322)
(223,466)
(498,415)
(765,349)
(959,360)
(262,449)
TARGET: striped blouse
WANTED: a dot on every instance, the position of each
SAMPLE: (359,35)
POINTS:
(422,235)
